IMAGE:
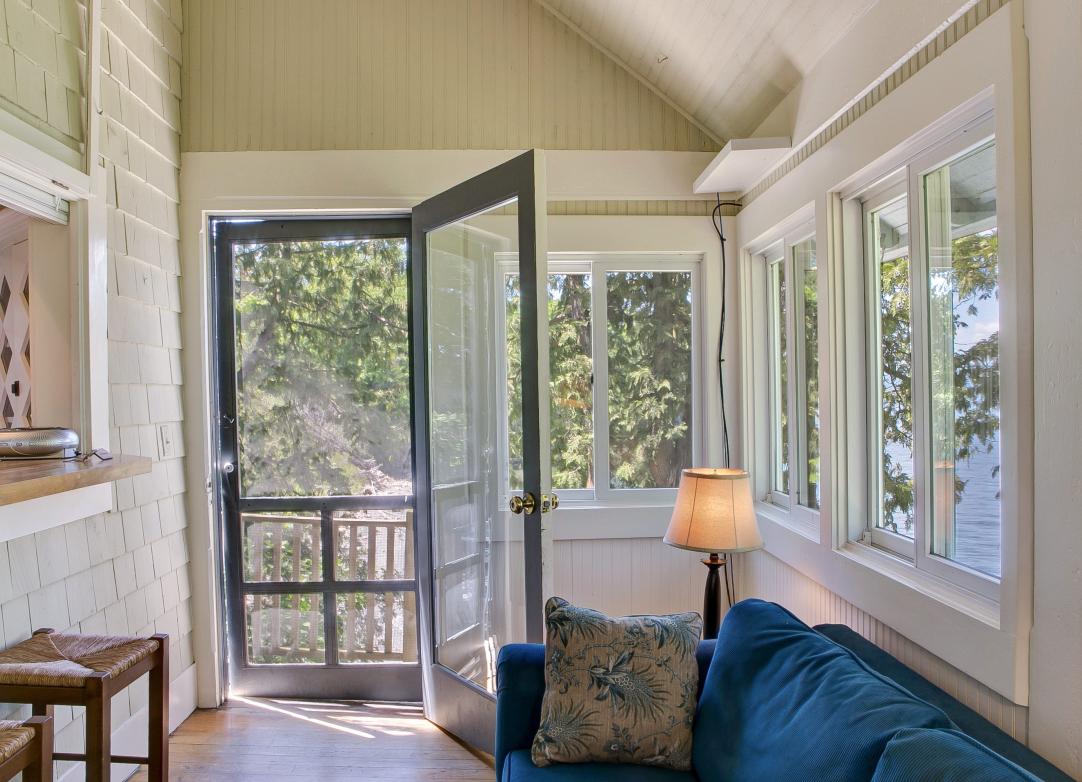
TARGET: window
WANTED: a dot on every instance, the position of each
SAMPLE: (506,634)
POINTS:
(891,359)
(623,376)
(933,360)
(793,368)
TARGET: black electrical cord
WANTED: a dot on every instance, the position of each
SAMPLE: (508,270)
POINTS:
(720,231)
(715,218)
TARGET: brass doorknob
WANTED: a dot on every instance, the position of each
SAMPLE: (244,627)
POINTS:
(526,504)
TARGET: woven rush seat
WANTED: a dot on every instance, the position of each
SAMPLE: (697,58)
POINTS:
(63,660)
(13,737)
(52,669)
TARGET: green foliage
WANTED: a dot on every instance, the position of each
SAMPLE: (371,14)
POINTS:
(811,377)
(896,355)
(649,331)
(323,367)
(649,363)
(965,380)
(571,369)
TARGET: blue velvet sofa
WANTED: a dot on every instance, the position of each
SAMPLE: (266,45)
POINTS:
(781,701)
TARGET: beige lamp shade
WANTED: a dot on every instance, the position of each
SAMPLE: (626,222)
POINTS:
(714,512)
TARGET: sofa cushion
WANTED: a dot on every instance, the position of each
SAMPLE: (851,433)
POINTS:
(782,702)
(617,689)
(520,686)
(967,720)
(519,768)
(917,755)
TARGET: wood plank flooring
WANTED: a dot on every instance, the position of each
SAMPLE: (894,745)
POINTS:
(306,741)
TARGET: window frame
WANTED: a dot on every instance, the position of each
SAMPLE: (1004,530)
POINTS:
(778,249)
(597,265)
(906,177)
(878,197)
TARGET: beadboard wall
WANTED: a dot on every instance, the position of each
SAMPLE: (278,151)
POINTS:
(628,576)
(42,60)
(126,572)
(761,575)
(410,74)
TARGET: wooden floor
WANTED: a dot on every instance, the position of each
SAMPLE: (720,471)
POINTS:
(305,741)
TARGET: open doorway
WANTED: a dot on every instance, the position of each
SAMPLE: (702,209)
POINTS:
(311,329)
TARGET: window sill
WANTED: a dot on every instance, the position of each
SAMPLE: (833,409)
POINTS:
(806,525)
(902,572)
(38,495)
(591,521)
(948,621)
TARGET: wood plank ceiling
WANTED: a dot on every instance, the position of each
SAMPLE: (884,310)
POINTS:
(726,63)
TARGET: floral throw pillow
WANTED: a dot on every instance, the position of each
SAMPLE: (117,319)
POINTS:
(617,689)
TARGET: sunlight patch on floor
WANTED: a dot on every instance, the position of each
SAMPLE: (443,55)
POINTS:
(338,716)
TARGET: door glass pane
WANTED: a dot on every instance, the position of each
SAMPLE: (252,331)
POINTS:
(804,262)
(285,629)
(571,373)
(322,352)
(374,545)
(649,319)
(779,378)
(893,405)
(282,547)
(963,309)
(377,627)
(470,525)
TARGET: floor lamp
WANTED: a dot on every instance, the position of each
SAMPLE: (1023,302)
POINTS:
(714,513)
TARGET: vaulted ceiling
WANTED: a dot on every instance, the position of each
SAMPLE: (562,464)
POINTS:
(726,63)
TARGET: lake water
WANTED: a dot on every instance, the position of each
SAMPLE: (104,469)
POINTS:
(977,514)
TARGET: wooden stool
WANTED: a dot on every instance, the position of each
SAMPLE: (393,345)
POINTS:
(27,747)
(64,669)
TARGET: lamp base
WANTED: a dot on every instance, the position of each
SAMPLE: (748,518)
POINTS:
(712,597)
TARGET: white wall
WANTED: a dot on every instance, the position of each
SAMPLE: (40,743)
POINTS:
(1055,719)
(42,58)
(410,74)
(126,571)
(1052,724)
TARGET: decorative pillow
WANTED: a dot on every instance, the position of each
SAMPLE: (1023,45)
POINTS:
(617,689)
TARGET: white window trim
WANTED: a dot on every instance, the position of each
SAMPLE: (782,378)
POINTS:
(776,247)
(597,264)
(984,69)
(924,156)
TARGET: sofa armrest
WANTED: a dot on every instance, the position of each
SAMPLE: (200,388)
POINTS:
(520,685)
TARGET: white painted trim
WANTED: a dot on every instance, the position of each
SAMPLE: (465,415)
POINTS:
(27,162)
(368,179)
(993,57)
(131,737)
(53,510)
(878,43)
(741,163)
(597,265)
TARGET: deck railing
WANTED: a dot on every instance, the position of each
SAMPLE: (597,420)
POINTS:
(368,546)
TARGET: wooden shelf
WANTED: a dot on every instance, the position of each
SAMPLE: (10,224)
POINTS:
(28,480)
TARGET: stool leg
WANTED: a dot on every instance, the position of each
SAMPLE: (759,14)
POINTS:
(98,730)
(158,740)
(41,770)
(41,709)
